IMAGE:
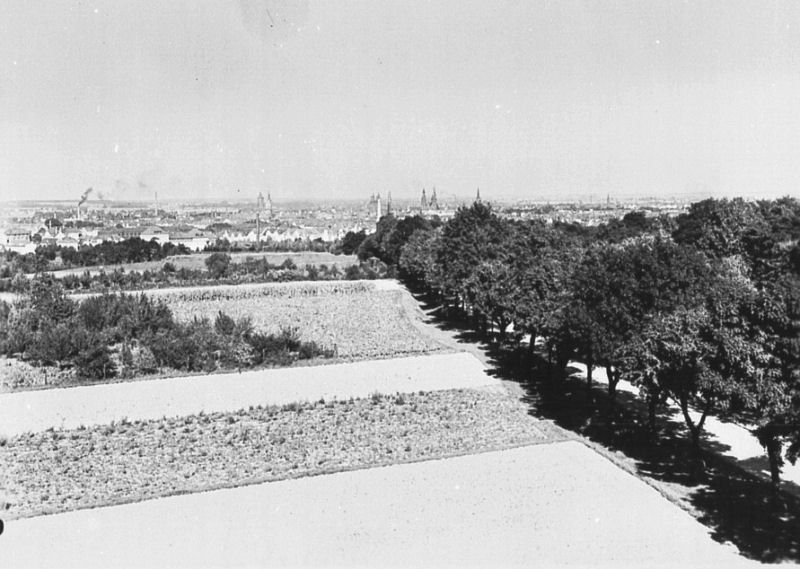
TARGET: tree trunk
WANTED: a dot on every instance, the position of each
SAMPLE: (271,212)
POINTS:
(774,448)
(562,360)
(531,348)
(695,430)
(652,407)
(502,325)
(589,370)
(613,380)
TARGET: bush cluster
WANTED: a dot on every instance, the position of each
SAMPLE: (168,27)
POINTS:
(219,271)
(112,335)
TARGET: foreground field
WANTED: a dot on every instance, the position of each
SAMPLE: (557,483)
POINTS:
(548,505)
(55,471)
(356,319)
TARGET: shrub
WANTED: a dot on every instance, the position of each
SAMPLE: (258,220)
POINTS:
(218,264)
(95,362)
(224,324)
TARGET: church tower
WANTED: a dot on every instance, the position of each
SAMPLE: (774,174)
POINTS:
(478,196)
(424,201)
(434,202)
(378,208)
(389,203)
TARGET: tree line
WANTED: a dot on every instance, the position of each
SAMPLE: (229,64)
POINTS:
(701,310)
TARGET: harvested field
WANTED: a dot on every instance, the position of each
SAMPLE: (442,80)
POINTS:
(56,471)
(354,318)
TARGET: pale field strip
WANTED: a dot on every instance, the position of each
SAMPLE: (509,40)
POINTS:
(69,408)
(377,284)
(547,505)
(739,443)
(196,261)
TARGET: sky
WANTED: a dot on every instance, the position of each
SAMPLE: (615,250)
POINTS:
(337,99)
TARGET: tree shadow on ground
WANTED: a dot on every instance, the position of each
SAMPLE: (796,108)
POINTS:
(735,505)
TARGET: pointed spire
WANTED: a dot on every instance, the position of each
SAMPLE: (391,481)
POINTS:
(478,196)
(424,201)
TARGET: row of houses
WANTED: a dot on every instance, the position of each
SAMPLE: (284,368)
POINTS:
(26,239)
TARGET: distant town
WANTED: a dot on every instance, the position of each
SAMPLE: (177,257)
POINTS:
(263,222)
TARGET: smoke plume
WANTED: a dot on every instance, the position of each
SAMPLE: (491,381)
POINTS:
(84,196)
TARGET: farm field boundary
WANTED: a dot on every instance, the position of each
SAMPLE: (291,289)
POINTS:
(68,408)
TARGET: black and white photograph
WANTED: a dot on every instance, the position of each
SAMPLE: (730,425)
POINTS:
(399,283)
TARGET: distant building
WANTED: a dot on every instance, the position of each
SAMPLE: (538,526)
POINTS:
(265,205)
(18,239)
(192,239)
(154,232)
(434,203)
(68,242)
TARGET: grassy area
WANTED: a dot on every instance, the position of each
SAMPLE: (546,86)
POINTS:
(57,471)
(196,261)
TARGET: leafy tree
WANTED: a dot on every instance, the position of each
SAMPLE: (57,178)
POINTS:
(632,224)
(352,241)
(717,226)
(369,248)
(392,242)
(777,406)
(618,288)
(48,299)
(417,258)
(473,235)
(94,360)
(218,264)
(490,291)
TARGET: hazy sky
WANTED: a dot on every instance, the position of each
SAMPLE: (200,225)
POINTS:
(339,99)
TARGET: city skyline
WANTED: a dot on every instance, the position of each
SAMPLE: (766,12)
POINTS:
(335,101)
